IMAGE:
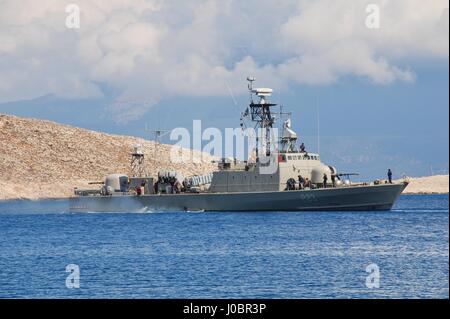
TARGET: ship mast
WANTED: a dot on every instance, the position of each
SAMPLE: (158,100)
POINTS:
(261,113)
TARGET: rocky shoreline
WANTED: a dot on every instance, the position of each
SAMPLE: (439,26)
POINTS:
(437,184)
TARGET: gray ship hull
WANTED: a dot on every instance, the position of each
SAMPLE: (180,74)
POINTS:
(362,198)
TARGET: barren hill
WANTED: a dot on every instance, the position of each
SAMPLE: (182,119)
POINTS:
(41,159)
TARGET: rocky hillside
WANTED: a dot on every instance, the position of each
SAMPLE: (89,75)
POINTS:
(41,159)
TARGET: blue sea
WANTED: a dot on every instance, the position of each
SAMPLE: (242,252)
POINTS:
(225,255)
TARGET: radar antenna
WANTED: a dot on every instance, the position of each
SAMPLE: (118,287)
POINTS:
(158,134)
(289,137)
(262,114)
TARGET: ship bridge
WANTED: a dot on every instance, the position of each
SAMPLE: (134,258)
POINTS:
(297,156)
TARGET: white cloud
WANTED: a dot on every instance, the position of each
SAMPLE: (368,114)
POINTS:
(149,50)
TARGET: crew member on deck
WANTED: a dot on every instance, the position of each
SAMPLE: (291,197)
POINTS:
(389,174)
(302,148)
(325,179)
(301,182)
(333,179)
(307,182)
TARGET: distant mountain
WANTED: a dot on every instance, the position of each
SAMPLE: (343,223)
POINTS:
(85,113)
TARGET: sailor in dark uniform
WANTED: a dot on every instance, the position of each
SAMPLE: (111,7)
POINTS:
(389,174)
(303,148)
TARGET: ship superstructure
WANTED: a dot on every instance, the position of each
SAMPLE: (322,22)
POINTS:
(280,176)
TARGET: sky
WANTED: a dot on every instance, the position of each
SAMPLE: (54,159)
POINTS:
(379,87)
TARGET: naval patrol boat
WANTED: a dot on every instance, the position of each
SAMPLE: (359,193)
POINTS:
(281,177)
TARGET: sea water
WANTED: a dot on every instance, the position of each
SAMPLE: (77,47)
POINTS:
(47,252)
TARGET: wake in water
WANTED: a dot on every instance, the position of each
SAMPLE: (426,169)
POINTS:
(420,210)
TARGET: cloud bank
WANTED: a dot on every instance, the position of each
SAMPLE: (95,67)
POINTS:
(151,50)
